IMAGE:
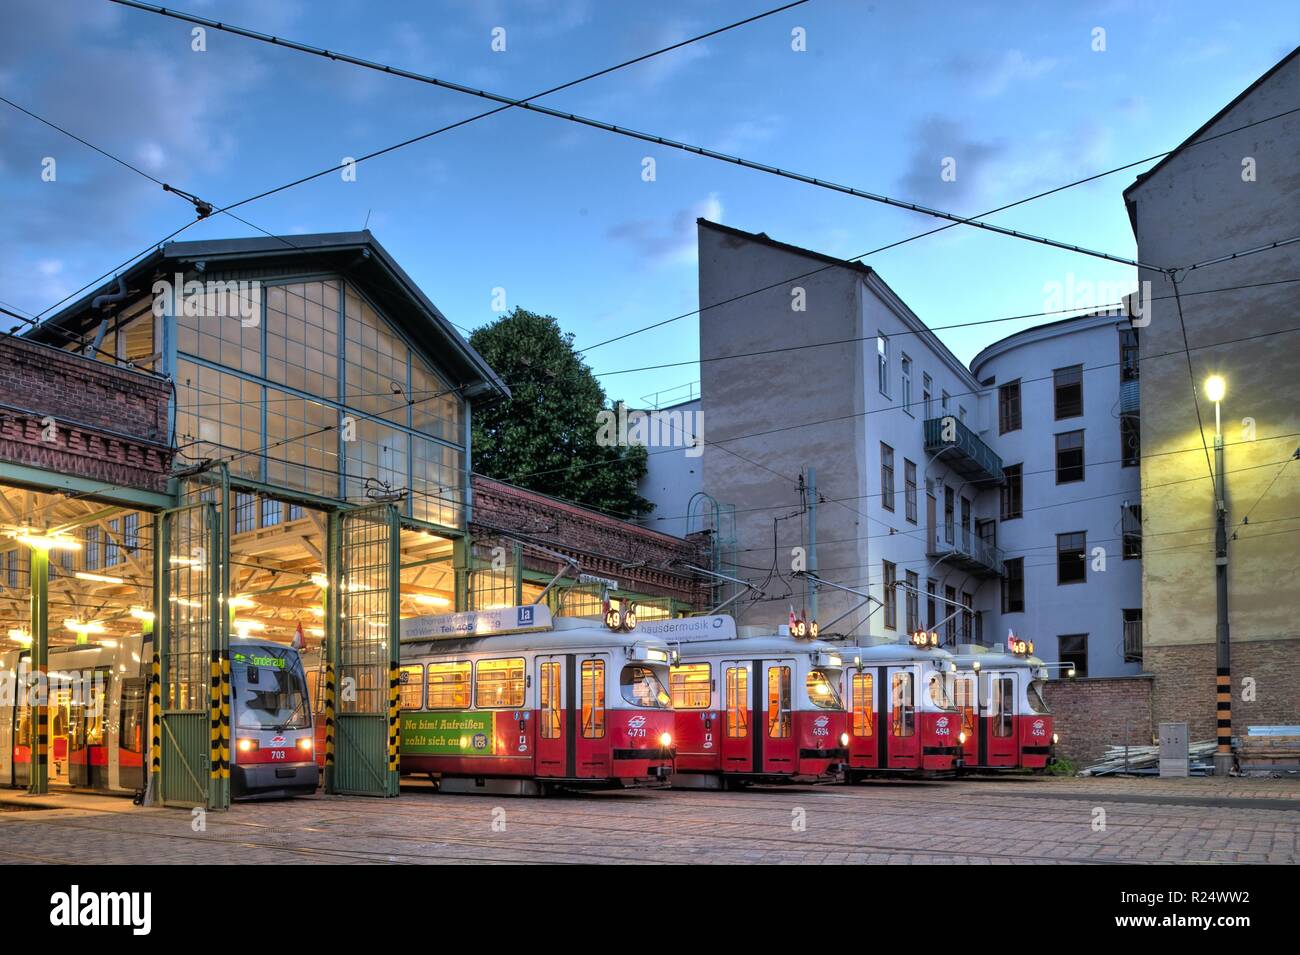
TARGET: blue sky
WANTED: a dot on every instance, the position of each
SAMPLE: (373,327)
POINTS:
(558,215)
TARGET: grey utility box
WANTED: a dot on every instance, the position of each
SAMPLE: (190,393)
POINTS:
(1173,749)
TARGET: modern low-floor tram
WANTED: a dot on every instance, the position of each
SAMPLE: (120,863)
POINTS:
(755,709)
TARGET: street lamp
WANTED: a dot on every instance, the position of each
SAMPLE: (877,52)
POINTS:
(1215,388)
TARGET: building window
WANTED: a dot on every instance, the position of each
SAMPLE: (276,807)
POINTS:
(906,365)
(1009,407)
(112,552)
(949,615)
(929,604)
(271,511)
(1072,558)
(1072,648)
(1013,585)
(943,401)
(967,616)
(961,413)
(913,601)
(1128,354)
(890,574)
(909,490)
(1130,440)
(886,476)
(948,513)
(927,389)
(882,363)
(1133,636)
(1131,527)
(1069,457)
(1013,493)
(245,513)
(131,532)
(91,549)
(1068,386)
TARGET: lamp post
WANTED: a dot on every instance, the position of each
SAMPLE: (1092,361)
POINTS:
(1214,391)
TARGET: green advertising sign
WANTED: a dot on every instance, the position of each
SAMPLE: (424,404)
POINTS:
(448,734)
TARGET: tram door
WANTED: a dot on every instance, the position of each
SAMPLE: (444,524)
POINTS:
(779,744)
(62,716)
(738,738)
(904,745)
(555,717)
(87,764)
(1001,748)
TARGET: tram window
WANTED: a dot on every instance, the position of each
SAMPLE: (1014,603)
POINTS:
(939,691)
(448,686)
(1036,701)
(737,702)
(863,717)
(964,693)
(903,723)
(410,686)
(822,691)
(692,686)
(641,686)
(549,701)
(500,683)
(778,702)
(593,699)
(1005,706)
(131,735)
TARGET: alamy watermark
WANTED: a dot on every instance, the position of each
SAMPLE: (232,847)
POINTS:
(212,299)
(668,428)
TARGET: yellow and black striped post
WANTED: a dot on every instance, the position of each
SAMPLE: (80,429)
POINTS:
(329,718)
(1223,710)
(155,716)
(214,716)
(225,714)
(394,672)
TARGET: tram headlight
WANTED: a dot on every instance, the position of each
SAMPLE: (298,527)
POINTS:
(844,739)
(961,738)
(305,744)
(246,745)
(665,740)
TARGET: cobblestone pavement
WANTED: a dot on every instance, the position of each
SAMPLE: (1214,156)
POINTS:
(1047,820)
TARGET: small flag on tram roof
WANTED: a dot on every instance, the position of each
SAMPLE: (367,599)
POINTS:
(299,639)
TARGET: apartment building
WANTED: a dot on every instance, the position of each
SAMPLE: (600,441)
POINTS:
(829,404)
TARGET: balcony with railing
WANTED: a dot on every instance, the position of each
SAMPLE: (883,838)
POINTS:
(965,550)
(957,446)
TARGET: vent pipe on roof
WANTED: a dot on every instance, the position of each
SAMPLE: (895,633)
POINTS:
(99,301)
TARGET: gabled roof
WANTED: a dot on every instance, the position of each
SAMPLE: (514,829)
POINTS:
(1211,121)
(355,255)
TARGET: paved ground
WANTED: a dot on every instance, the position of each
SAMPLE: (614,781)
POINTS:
(1048,820)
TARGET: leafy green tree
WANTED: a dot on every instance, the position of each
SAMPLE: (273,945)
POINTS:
(544,437)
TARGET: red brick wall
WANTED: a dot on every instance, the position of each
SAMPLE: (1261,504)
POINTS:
(1184,690)
(1095,712)
(110,423)
(640,559)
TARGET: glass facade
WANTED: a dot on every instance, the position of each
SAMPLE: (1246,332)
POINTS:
(320,395)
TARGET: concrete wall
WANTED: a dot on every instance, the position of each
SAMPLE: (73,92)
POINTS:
(673,477)
(1092,505)
(1193,208)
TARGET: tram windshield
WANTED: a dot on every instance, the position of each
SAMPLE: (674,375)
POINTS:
(939,694)
(1035,694)
(823,691)
(268,689)
(641,686)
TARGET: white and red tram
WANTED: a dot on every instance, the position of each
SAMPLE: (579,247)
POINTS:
(999,694)
(902,720)
(748,709)
(575,705)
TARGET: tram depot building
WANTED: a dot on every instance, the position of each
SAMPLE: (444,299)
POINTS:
(211,449)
